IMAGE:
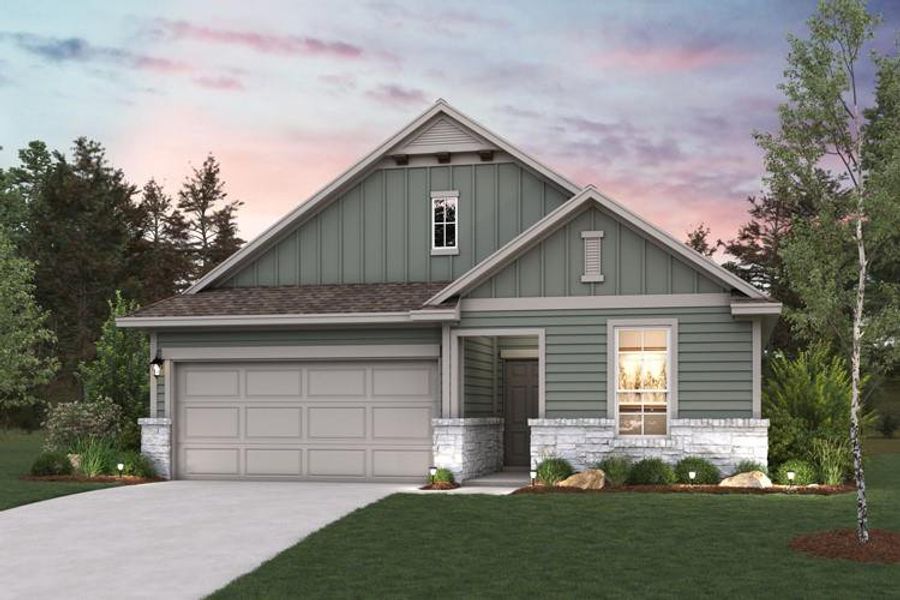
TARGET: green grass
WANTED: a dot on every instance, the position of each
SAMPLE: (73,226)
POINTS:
(17,452)
(616,545)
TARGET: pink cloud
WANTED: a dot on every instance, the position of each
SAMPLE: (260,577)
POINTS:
(220,83)
(393,94)
(663,60)
(263,42)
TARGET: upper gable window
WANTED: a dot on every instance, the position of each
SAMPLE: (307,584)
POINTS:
(444,222)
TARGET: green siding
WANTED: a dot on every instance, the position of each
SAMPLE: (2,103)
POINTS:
(380,229)
(311,337)
(480,376)
(631,264)
(161,395)
(714,358)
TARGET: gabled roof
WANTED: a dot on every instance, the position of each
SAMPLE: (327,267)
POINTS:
(590,195)
(448,120)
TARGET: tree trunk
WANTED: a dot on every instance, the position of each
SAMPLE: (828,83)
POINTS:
(862,508)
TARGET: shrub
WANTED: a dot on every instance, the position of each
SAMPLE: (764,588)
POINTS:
(833,458)
(51,463)
(136,465)
(553,470)
(805,472)
(745,466)
(888,426)
(706,472)
(443,475)
(97,457)
(70,422)
(651,471)
(616,469)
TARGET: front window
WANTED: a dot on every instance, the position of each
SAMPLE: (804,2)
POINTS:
(444,220)
(642,380)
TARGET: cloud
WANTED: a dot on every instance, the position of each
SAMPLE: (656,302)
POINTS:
(267,43)
(619,141)
(666,60)
(439,20)
(393,94)
(219,83)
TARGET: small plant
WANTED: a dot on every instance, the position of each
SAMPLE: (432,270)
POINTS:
(804,473)
(833,457)
(553,470)
(51,463)
(705,473)
(651,471)
(137,465)
(888,426)
(746,466)
(98,457)
(616,468)
(443,476)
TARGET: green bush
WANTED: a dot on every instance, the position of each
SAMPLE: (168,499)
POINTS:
(136,465)
(888,426)
(706,472)
(553,470)
(805,472)
(616,468)
(69,422)
(51,463)
(805,398)
(651,471)
(745,466)
(97,456)
(833,458)
(443,475)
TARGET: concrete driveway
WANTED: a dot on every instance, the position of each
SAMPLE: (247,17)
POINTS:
(180,539)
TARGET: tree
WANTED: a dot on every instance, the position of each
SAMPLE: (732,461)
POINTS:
(826,258)
(119,370)
(26,360)
(212,230)
(698,239)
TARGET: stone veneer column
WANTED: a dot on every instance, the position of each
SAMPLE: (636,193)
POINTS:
(156,444)
(583,442)
(468,447)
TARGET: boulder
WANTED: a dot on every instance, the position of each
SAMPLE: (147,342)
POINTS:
(592,479)
(75,459)
(750,479)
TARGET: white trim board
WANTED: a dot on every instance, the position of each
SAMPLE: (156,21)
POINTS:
(588,302)
(438,109)
(589,196)
(311,352)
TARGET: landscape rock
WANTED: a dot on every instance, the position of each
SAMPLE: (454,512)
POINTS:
(592,479)
(75,459)
(751,479)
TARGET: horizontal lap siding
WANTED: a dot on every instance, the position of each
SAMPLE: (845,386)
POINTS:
(480,377)
(714,358)
(320,337)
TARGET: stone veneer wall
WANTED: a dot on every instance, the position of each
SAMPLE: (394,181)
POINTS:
(468,447)
(583,442)
(156,444)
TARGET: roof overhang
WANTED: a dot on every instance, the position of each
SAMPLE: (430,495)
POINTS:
(756,309)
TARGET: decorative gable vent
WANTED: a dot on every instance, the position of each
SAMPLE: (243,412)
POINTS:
(443,135)
(592,272)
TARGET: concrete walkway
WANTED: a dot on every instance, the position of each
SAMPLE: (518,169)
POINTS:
(172,540)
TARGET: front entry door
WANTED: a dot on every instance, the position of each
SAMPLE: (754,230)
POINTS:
(520,402)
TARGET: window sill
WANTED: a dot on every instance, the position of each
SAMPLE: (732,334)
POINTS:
(444,251)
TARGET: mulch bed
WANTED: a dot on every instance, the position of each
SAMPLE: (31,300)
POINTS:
(822,490)
(883,546)
(124,480)
(438,486)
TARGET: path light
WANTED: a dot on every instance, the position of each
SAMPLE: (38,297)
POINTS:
(533,475)
(432,471)
(120,467)
(791,475)
(692,475)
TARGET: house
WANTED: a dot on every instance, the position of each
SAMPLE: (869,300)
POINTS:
(450,301)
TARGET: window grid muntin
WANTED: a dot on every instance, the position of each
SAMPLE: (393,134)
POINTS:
(440,226)
(642,406)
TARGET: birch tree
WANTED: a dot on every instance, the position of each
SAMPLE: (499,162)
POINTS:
(827,256)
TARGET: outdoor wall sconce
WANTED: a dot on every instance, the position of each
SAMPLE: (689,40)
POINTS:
(156,366)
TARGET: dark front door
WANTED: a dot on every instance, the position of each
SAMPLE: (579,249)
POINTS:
(520,403)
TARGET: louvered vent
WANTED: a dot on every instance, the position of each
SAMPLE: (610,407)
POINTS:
(442,133)
(592,265)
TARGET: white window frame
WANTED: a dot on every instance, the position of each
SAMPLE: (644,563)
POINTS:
(612,365)
(444,250)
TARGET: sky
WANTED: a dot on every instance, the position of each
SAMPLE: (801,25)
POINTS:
(655,103)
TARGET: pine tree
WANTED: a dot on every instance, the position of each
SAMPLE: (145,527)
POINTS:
(698,239)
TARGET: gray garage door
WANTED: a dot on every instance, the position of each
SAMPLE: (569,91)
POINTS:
(339,421)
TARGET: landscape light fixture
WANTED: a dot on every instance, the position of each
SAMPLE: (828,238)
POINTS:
(533,475)
(432,471)
(156,365)
(791,475)
(692,475)
(120,467)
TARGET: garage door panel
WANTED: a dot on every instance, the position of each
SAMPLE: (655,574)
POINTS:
(337,422)
(274,422)
(337,463)
(394,382)
(211,422)
(216,383)
(330,382)
(400,463)
(211,461)
(401,423)
(273,382)
(274,462)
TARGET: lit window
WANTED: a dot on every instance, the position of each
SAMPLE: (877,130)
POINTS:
(642,380)
(444,220)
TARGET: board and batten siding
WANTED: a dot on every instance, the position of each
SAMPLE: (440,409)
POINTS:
(715,362)
(630,263)
(380,230)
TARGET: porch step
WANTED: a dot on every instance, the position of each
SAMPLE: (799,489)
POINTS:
(515,479)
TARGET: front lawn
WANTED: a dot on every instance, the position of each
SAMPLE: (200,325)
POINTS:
(616,545)
(17,451)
